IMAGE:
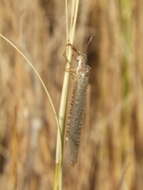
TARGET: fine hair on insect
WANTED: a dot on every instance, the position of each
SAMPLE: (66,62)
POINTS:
(77,104)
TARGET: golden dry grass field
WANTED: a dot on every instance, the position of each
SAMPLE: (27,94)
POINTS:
(111,147)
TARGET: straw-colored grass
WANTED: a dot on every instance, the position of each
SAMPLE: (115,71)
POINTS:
(110,155)
(71,10)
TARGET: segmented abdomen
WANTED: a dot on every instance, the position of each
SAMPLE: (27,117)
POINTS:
(76,117)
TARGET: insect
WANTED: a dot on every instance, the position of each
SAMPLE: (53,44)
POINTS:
(75,115)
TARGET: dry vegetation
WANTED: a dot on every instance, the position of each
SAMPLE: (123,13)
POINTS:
(111,151)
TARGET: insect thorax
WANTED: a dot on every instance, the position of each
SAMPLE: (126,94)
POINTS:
(82,67)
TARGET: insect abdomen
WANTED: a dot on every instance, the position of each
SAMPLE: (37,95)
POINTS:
(76,117)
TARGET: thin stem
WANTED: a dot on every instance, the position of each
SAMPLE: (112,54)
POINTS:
(70,32)
(74,20)
(38,76)
(67,20)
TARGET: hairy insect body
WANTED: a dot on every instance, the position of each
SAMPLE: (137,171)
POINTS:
(76,111)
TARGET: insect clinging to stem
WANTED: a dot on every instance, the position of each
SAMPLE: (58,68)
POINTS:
(75,115)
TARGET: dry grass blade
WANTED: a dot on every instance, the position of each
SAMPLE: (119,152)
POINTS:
(70,32)
(37,74)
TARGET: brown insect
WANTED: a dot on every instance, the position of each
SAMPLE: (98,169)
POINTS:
(75,116)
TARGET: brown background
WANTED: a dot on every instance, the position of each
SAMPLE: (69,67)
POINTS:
(111,151)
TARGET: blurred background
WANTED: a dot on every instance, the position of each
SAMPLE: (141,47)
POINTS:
(111,148)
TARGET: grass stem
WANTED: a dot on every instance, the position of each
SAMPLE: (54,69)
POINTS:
(70,35)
